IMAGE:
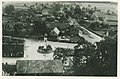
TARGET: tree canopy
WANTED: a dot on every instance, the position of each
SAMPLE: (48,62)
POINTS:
(9,9)
(101,61)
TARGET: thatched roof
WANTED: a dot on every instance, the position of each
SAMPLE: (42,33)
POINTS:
(39,66)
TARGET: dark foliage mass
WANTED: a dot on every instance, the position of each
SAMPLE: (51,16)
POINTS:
(77,10)
(9,9)
(101,61)
(39,28)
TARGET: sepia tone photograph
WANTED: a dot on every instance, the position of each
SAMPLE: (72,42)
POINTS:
(59,38)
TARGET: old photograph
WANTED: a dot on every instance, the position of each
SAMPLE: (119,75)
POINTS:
(59,38)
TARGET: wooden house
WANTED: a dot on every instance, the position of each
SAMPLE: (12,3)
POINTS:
(112,21)
(98,17)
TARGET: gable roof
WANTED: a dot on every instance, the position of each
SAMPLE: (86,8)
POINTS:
(111,18)
(56,30)
(60,26)
(38,15)
(98,14)
(21,8)
(45,12)
(39,66)
(112,23)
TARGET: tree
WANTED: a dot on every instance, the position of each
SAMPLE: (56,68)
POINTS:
(95,26)
(25,5)
(9,9)
(77,10)
(95,8)
(18,27)
(39,28)
(82,51)
(104,62)
(101,61)
(89,5)
(57,7)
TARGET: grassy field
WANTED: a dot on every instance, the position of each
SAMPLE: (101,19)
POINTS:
(102,6)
